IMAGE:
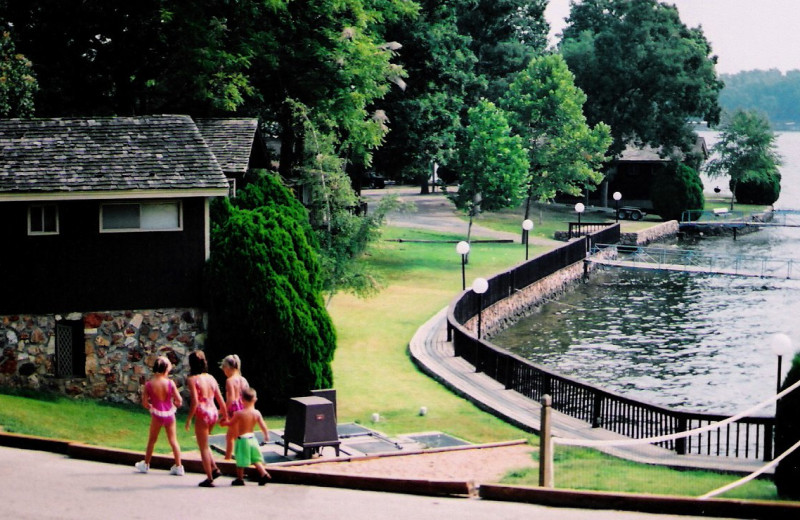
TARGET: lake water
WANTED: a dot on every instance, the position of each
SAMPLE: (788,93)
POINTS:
(689,341)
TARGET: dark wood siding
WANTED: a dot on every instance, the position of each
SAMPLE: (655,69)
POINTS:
(81,269)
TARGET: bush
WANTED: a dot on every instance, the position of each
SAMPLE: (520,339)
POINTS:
(264,291)
(787,433)
(763,190)
(676,188)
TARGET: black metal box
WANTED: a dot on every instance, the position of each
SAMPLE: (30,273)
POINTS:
(310,424)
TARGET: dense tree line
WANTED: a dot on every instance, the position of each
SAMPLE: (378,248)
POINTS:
(770,92)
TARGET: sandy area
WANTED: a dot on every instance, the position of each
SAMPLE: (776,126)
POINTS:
(481,465)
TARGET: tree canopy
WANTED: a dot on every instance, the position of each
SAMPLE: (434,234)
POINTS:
(770,92)
(644,72)
(493,163)
(746,151)
(17,80)
(546,109)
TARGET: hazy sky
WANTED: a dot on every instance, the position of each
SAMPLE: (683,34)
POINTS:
(744,34)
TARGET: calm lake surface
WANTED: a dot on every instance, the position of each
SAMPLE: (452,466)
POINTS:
(688,341)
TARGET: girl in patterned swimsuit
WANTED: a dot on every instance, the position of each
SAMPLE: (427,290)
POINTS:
(162,399)
(234,386)
(204,391)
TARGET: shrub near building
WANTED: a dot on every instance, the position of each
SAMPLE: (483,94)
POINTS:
(265,300)
(677,188)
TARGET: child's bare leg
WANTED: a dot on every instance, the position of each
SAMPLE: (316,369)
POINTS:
(155,428)
(229,444)
(201,433)
(172,437)
(262,470)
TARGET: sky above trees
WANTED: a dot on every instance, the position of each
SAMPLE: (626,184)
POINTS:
(746,35)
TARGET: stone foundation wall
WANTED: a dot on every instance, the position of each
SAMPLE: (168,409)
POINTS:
(120,348)
(524,302)
(655,233)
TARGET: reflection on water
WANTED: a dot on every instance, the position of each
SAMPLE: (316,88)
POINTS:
(697,342)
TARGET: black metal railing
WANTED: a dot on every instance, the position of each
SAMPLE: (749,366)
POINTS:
(750,437)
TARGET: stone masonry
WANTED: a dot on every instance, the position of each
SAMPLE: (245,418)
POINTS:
(120,348)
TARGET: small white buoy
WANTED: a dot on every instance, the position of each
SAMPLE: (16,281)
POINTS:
(423,410)
(376,417)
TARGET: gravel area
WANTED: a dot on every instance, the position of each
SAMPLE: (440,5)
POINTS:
(481,465)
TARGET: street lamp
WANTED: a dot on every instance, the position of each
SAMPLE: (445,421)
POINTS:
(479,286)
(617,196)
(527,225)
(781,346)
(462,248)
(579,207)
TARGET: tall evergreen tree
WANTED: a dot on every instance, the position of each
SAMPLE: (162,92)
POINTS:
(265,297)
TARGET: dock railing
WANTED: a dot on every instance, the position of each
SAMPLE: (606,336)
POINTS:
(750,437)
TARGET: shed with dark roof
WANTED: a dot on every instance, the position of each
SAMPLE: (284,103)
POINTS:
(104,213)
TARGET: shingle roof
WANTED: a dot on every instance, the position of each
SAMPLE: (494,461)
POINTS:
(231,141)
(113,154)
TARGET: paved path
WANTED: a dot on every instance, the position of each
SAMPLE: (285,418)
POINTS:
(41,486)
(435,212)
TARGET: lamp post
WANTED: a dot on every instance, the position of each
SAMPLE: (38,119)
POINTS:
(579,207)
(462,248)
(781,346)
(617,196)
(527,225)
(479,286)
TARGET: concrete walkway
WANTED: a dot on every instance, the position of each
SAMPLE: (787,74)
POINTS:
(36,485)
(434,354)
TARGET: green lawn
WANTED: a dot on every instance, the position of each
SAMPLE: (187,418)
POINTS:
(374,374)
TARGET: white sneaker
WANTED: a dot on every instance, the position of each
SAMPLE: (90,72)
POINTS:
(176,470)
(141,466)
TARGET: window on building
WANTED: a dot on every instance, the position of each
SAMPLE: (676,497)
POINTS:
(141,216)
(70,358)
(43,219)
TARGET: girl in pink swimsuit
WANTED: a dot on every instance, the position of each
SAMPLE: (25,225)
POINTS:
(162,399)
(204,391)
(234,386)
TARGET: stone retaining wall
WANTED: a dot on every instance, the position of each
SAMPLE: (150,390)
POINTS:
(120,348)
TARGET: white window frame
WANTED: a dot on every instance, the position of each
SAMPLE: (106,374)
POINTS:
(39,210)
(140,205)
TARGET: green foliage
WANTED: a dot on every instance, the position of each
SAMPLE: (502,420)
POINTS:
(787,433)
(504,36)
(493,162)
(770,92)
(264,289)
(425,116)
(343,231)
(762,191)
(644,72)
(746,152)
(676,188)
(17,80)
(546,109)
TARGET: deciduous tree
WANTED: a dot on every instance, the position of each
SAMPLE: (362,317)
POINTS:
(644,72)
(493,163)
(546,109)
(746,151)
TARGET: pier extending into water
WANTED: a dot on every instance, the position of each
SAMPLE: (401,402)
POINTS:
(688,260)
